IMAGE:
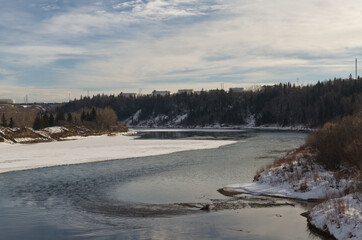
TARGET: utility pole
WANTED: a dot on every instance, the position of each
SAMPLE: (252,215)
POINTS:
(356,69)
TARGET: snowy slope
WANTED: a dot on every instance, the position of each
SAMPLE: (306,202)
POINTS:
(341,217)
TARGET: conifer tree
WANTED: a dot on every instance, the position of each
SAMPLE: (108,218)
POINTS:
(3,121)
(69,118)
(51,120)
(37,123)
(93,115)
(11,123)
(60,116)
(83,116)
(45,120)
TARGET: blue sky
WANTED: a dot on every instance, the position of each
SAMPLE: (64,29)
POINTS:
(52,48)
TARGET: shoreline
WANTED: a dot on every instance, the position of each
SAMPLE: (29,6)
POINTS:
(298,177)
(223,128)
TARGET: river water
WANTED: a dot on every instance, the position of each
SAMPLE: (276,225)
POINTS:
(153,197)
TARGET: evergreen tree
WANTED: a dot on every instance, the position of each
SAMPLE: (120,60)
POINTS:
(93,115)
(45,120)
(60,116)
(11,123)
(4,121)
(69,118)
(37,123)
(51,120)
(83,116)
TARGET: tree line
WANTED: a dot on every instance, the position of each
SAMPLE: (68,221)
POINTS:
(282,104)
(94,118)
(4,121)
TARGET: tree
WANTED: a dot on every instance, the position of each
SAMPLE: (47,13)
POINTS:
(83,117)
(37,123)
(60,116)
(93,115)
(69,117)
(3,121)
(51,120)
(45,120)
(11,123)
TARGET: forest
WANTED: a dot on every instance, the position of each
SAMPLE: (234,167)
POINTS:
(281,104)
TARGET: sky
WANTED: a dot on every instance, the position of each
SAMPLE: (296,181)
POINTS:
(53,50)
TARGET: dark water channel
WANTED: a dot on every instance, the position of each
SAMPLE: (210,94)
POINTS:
(150,197)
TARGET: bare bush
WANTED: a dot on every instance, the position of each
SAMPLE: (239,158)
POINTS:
(339,143)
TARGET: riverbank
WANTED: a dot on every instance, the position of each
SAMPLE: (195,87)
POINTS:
(298,176)
(57,133)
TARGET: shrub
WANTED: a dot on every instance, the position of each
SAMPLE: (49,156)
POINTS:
(339,143)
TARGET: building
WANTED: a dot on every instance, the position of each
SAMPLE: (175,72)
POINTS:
(7,101)
(160,93)
(236,90)
(187,91)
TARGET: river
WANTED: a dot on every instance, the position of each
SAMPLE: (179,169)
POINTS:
(150,197)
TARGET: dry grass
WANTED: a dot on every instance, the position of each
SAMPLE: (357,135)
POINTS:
(301,157)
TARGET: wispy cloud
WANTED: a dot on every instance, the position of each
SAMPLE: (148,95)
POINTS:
(152,43)
(4,71)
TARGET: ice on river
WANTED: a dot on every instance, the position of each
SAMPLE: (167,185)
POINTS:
(16,157)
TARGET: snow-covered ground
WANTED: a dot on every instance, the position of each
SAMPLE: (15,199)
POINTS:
(163,121)
(91,149)
(341,217)
(56,129)
(298,176)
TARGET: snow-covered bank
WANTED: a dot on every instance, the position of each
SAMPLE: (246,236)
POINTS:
(299,176)
(296,176)
(340,217)
(92,149)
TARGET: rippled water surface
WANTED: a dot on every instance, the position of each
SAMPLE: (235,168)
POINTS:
(153,197)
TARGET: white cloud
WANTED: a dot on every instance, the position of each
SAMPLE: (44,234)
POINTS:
(161,9)
(38,55)
(132,44)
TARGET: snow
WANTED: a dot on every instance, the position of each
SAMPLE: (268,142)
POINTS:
(180,118)
(341,217)
(300,178)
(27,139)
(92,149)
(55,129)
(283,190)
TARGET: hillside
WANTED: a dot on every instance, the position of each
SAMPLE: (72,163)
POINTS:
(278,105)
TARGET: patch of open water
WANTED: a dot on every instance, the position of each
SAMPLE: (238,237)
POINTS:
(138,198)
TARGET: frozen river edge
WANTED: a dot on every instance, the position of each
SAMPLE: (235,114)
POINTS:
(16,157)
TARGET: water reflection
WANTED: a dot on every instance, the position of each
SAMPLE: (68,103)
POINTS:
(197,135)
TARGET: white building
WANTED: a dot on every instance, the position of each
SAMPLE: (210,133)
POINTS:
(7,101)
(160,93)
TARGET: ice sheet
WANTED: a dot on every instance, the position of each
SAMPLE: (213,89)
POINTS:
(15,157)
